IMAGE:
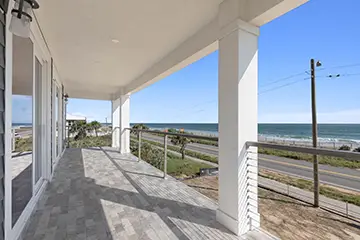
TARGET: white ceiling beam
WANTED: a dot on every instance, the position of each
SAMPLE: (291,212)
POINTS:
(199,45)
(204,42)
(86,94)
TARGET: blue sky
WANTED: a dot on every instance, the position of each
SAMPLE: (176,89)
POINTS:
(323,29)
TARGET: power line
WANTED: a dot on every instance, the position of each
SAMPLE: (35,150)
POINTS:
(307,72)
(198,105)
(282,86)
(349,74)
(325,76)
(340,66)
(339,75)
(283,79)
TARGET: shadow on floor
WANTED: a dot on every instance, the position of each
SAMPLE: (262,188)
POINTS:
(155,202)
(69,201)
(21,192)
(21,154)
(73,207)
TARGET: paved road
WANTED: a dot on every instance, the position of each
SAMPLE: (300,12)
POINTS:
(342,177)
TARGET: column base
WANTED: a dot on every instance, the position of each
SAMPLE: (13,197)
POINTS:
(234,225)
(124,151)
(229,222)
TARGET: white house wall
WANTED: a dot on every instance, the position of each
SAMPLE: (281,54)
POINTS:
(42,52)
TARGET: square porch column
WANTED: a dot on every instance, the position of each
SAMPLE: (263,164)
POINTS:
(238,83)
(121,121)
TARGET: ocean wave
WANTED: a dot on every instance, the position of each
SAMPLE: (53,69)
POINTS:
(273,137)
(306,138)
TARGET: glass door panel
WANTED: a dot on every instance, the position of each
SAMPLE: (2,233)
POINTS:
(57,122)
(38,138)
(22,125)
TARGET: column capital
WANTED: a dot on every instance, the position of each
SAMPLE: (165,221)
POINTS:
(254,12)
(236,25)
(119,96)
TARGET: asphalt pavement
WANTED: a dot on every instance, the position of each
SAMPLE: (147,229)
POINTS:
(336,176)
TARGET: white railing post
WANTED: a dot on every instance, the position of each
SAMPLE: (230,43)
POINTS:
(139,146)
(13,142)
(165,155)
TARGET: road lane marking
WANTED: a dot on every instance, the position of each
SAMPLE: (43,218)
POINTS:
(305,167)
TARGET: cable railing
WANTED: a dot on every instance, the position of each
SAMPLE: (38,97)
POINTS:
(165,135)
(308,150)
(251,164)
(343,207)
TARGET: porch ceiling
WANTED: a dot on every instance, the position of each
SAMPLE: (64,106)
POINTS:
(106,48)
(100,46)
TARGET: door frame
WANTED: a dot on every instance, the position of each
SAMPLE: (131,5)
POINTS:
(43,120)
(56,140)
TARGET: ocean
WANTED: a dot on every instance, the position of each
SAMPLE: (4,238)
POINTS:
(326,132)
(297,132)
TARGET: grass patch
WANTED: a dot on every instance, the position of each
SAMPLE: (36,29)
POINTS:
(91,141)
(23,144)
(175,165)
(328,160)
(194,140)
(187,152)
(328,191)
(184,168)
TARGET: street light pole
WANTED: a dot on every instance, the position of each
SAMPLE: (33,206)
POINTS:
(314,132)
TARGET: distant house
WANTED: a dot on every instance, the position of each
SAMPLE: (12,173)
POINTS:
(71,118)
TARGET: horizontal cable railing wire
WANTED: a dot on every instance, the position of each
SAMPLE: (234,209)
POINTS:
(343,208)
(308,150)
(175,134)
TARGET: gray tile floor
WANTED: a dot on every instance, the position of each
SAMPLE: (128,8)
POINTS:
(100,194)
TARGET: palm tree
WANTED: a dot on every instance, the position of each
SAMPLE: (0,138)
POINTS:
(139,126)
(95,125)
(182,141)
(79,128)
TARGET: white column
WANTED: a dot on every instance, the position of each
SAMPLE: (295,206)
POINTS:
(121,121)
(238,77)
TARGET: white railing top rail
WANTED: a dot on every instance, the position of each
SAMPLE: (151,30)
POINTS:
(174,134)
(309,150)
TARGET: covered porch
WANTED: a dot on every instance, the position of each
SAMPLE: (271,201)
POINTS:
(99,193)
(108,52)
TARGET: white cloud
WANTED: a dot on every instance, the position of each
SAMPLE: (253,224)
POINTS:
(343,116)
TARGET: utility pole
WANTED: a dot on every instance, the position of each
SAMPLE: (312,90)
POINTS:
(314,132)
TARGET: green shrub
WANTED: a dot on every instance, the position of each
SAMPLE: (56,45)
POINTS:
(345,148)
(175,165)
(23,144)
(356,149)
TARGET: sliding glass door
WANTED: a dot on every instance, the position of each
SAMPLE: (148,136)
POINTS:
(29,161)
(39,129)
(57,121)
